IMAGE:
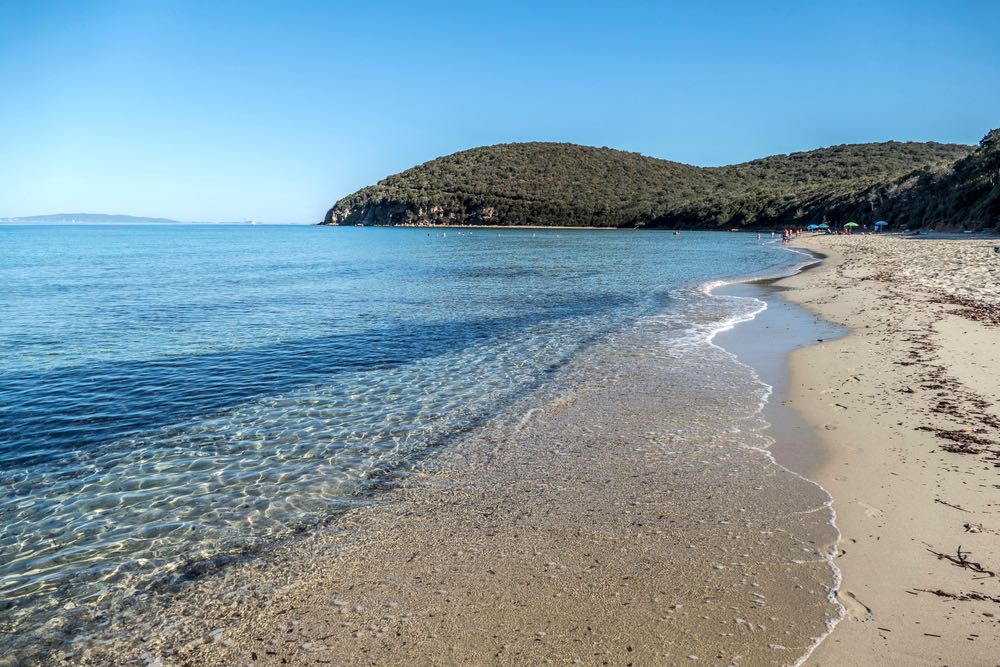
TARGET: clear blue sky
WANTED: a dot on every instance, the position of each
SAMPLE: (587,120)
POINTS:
(231,110)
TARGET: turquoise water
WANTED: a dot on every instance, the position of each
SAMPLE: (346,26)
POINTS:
(175,396)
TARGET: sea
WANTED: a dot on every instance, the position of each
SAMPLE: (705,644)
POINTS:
(179,395)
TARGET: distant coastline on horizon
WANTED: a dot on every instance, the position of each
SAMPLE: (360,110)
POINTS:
(112,219)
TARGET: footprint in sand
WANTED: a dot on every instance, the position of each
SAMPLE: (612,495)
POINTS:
(855,609)
(871,511)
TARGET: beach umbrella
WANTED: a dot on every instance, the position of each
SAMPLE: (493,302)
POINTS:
(812,227)
(823,226)
(881,223)
(851,224)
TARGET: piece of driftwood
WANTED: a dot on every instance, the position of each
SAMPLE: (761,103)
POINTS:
(963,597)
(938,500)
(961,559)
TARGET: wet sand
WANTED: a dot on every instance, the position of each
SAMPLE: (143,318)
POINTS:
(907,409)
(765,344)
(595,527)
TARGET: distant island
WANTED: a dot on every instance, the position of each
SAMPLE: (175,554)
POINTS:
(913,185)
(88,219)
(106,219)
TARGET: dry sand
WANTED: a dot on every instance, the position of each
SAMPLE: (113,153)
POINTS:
(907,406)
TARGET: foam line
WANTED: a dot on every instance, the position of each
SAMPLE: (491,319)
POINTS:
(708,289)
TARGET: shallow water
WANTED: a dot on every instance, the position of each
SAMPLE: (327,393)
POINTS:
(173,395)
(628,507)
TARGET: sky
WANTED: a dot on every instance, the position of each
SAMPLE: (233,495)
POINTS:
(214,110)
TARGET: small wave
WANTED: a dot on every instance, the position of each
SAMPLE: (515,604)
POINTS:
(829,556)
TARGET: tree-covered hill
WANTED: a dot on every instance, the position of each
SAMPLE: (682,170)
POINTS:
(964,195)
(570,185)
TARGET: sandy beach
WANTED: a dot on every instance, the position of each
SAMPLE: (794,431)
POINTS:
(481,334)
(907,408)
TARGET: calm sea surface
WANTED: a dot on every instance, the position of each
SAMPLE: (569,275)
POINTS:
(172,396)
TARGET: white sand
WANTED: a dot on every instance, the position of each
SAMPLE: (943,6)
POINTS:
(909,364)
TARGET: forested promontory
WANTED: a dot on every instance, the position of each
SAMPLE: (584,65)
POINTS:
(910,184)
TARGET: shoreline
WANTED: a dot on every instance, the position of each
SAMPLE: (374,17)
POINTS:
(911,377)
(405,226)
(765,344)
(569,227)
(794,445)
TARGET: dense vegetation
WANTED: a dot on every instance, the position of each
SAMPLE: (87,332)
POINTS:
(569,185)
(965,195)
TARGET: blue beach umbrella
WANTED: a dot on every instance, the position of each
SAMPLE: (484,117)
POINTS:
(812,227)
(881,223)
(823,226)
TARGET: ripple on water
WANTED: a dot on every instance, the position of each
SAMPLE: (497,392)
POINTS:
(172,399)
(631,494)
